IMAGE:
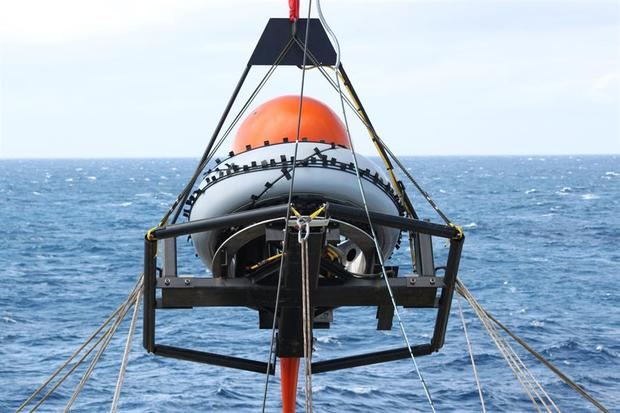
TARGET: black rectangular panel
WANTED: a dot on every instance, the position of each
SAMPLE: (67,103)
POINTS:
(276,35)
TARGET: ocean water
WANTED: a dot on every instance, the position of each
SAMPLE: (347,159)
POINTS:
(542,254)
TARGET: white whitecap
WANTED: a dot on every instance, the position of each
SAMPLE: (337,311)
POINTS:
(327,339)
(612,173)
(9,320)
(69,180)
(588,197)
(91,178)
(530,191)
(471,225)
(362,390)
(36,193)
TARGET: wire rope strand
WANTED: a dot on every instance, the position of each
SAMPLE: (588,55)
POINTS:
(97,356)
(124,309)
(288,206)
(380,254)
(374,135)
(521,372)
(529,375)
(549,365)
(75,353)
(307,323)
(208,154)
(471,355)
(122,370)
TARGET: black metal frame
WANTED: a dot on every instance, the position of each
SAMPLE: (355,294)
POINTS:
(412,291)
(188,292)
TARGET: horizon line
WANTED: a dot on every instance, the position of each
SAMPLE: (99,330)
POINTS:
(69,158)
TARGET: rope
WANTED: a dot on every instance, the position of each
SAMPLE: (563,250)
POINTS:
(121,374)
(381,146)
(98,355)
(380,253)
(471,355)
(521,372)
(208,154)
(366,209)
(119,313)
(307,318)
(390,170)
(75,353)
(288,209)
(468,296)
(329,31)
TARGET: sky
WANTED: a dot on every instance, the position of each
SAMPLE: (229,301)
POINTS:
(138,78)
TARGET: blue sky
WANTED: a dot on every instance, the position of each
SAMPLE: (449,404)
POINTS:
(139,78)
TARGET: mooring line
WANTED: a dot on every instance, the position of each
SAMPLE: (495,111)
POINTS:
(122,370)
(99,354)
(471,355)
(461,289)
(120,312)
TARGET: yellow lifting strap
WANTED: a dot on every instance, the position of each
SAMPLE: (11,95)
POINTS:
(386,161)
(312,215)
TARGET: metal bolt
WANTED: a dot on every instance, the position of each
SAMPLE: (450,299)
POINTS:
(167,281)
(432,281)
(412,281)
(187,281)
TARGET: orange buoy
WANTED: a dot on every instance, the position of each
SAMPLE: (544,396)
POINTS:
(276,120)
(289,373)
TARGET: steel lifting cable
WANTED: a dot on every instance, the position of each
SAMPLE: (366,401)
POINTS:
(122,370)
(211,150)
(375,241)
(401,193)
(471,355)
(461,289)
(381,261)
(120,311)
(382,146)
(100,353)
(477,307)
(288,207)
(517,366)
(514,361)
(512,364)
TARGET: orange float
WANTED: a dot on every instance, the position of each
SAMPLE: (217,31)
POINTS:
(276,121)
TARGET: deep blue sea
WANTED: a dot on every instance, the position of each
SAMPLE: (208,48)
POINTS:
(542,254)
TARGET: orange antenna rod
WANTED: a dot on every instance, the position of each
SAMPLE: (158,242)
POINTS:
(289,373)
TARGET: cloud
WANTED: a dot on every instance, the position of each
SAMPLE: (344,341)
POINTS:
(606,88)
(43,21)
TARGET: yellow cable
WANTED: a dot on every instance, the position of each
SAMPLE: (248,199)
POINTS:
(296,212)
(317,212)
